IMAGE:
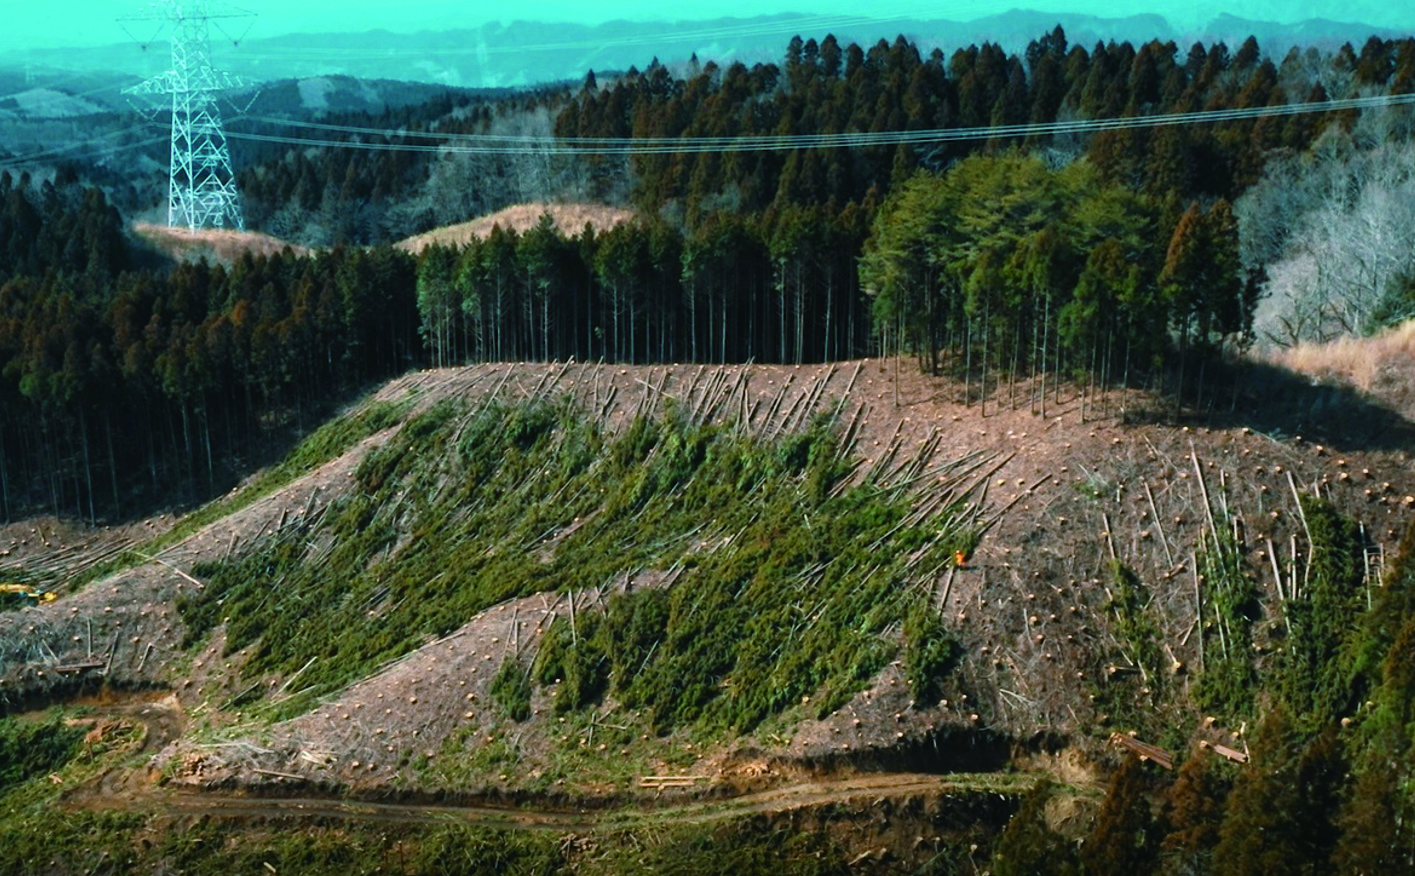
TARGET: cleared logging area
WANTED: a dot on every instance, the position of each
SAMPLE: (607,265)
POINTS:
(783,569)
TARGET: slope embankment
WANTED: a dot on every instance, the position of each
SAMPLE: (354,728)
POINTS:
(1047,645)
(1382,366)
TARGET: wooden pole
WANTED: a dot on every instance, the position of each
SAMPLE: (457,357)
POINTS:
(1198,606)
(184,574)
(145,655)
(112,649)
(1164,540)
(573,633)
(1204,491)
(1277,571)
(1307,530)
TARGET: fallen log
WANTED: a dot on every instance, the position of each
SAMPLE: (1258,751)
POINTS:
(660,782)
(1225,752)
(1144,750)
(279,775)
(79,667)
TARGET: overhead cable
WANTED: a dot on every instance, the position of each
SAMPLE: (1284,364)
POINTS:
(491,144)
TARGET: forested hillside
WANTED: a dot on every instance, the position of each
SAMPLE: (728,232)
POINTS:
(1119,233)
(1128,255)
(122,386)
(379,193)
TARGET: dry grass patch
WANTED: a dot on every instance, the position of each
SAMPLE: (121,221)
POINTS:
(569,219)
(216,245)
(1382,366)
(1362,362)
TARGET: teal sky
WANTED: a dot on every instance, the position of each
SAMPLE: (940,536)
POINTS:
(60,23)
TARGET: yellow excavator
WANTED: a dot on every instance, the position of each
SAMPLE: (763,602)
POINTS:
(13,595)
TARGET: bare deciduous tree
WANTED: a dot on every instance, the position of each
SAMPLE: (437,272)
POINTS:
(1333,230)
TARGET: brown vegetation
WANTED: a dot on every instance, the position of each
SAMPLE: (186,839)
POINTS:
(1382,365)
(568,218)
(221,246)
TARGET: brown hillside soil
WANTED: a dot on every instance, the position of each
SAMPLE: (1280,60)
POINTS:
(570,219)
(215,245)
(1098,476)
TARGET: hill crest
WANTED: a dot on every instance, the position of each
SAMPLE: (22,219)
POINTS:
(216,245)
(570,219)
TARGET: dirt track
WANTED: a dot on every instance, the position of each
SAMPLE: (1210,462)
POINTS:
(864,791)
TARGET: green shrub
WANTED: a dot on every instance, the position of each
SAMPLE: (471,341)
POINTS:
(511,689)
(1029,847)
(930,654)
(1319,679)
(786,587)
(1228,683)
(30,748)
(741,848)
(1396,305)
(1130,698)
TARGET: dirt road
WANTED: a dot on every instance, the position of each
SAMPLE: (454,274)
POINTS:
(864,791)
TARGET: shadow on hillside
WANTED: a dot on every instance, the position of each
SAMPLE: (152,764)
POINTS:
(1280,402)
(946,750)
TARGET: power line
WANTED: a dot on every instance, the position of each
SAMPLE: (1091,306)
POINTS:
(20,161)
(56,151)
(490,144)
(505,145)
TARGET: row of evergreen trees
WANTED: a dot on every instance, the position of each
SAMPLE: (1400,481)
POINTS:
(322,195)
(58,225)
(1001,264)
(780,288)
(824,88)
(1007,265)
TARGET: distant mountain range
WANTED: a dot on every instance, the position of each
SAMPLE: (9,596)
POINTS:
(57,96)
(529,53)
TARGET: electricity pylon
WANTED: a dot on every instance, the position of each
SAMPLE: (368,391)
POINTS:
(203,189)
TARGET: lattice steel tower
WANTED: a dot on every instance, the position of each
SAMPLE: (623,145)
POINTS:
(203,189)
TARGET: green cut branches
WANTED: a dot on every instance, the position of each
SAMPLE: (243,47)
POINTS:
(789,578)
